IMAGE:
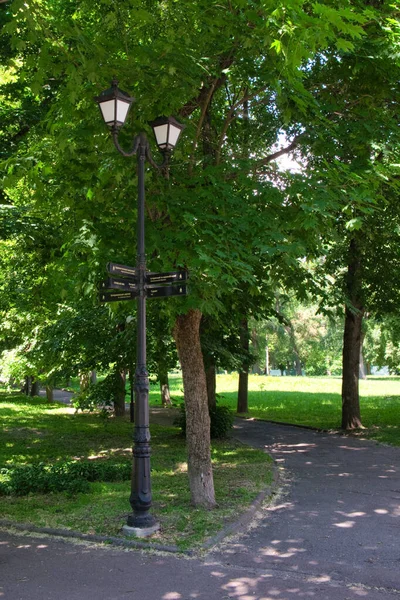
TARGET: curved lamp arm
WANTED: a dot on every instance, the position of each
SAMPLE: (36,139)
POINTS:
(166,156)
(132,151)
(140,141)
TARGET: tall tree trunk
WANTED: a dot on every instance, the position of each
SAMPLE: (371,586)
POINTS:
(187,337)
(164,386)
(27,386)
(84,380)
(35,387)
(363,368)
(351,416)
(211,380)
(256,367)
(49,393)
(297,361)
(243,390)
(119,397)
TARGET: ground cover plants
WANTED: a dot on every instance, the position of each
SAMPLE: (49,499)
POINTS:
(44,444)
(63,469)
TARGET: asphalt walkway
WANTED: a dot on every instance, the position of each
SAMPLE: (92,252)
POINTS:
(338,517)
(333,533)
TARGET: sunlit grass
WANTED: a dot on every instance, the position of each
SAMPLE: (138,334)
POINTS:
(34,431)
(316,402)
(310,401)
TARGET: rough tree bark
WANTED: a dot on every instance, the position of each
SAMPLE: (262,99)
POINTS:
(119,396)
(164,386)
(243,390)
(256,366)
(34,387)
(351,416)
(84,380)
(187,337)
(49,393)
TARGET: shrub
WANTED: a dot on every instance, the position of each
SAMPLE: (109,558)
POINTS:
(96,396)
(72,477)
(221,421)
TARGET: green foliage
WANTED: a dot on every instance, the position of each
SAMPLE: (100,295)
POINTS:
(221,421)
(239,74)
(299,333)
(100,395)
(71,477)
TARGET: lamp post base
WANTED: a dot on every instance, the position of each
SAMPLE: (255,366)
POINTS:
(141,525)
(141,530)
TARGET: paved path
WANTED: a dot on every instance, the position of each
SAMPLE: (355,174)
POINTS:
(334,533)
(59,395)
(339,518)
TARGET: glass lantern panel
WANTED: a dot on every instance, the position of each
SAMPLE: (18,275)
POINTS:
(107,110)
(174,133)
(161,133)
(122,110)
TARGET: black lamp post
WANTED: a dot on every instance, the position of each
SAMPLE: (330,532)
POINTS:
(114,106)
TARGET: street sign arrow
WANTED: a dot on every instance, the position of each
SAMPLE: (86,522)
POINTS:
(114,283)
(117,296)
(166,291)
(123,270)
(172,277)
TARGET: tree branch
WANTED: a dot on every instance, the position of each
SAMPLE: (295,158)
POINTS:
(201,98)
(279,153)
(231,116)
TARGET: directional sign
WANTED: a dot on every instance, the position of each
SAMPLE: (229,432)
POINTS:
(167,290)
(114,283)
(123,270)
(173,277)
(117,296)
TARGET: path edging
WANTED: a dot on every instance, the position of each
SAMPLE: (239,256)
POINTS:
(236,527)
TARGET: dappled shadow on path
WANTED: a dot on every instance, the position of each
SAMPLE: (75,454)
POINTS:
(338,514)
(47,568)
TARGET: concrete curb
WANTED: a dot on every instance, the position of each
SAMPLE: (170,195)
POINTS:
(242,524)
(234,528)
(283,423)
(105,539)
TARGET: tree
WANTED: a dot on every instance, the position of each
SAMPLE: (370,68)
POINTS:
(238,66)
(351,143)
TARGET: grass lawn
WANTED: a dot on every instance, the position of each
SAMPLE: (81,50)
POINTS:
(36,432)
(310,401)
(316,402)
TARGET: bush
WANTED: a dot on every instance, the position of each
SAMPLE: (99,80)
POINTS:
(96,396)
(72,477)
(221,421)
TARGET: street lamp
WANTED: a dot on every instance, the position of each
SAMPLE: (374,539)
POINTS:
(114,106)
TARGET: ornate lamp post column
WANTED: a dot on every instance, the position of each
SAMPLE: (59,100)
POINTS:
(114,106)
